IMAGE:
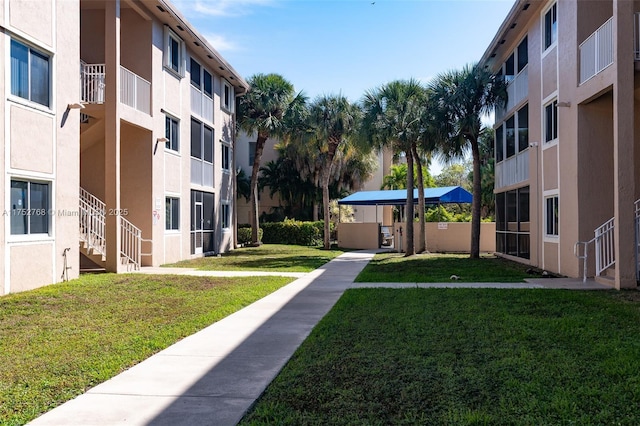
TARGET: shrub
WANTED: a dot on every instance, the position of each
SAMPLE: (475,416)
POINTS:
(244,233)
(292,231)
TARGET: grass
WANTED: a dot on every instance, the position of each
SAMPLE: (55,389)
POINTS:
(464,357)
(267,257)
(434,268)
(58,341)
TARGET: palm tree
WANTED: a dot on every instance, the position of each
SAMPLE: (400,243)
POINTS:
(462,98)
(334,120)
(269,109)
(394,115)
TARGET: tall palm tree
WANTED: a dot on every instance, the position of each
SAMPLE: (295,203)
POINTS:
(463,97)
(269,109)
(394,115)
(334,120)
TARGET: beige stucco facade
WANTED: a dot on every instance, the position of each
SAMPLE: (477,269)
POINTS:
(40,140)
(566,155)
(124,130)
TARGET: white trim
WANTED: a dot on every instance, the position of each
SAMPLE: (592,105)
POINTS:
(546,50)
(168,33)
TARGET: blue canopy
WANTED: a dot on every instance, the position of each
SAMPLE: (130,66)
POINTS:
(446,194)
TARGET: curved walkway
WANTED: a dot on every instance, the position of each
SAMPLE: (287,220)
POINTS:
(214,376)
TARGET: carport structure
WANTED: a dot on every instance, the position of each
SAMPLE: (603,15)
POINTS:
(362,236)
(398,197)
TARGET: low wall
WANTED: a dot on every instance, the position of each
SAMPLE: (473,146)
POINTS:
(456,236)
(441,237)
(359,235)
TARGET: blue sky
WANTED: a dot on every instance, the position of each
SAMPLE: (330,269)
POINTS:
(347,46)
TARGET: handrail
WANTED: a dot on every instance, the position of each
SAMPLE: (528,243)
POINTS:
(92,221)
(604,244)
(130,244)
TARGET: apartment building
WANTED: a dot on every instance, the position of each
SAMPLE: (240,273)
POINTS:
(566,157)
(40,142)
(122,131)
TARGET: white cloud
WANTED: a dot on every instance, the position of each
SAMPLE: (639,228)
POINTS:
(220,42)
(224,7)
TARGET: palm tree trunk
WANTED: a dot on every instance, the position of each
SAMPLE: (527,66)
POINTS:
(325,206)
(476,202)
(409,250)
(253,202)
(422,238)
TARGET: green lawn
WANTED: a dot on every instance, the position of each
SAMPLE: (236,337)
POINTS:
(267,257)
(58,341)
(464,357)
(434,268)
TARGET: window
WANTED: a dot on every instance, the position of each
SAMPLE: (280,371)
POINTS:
(172,133)
(499,144)
(551,121)
(509,68)
(226,156)
(551,216)
(173,52)
(195,71)
(172,213)
(227,97)
(207,81)
(252,152)
(201,153)
(523,54)
(224,215)
(523,128)
(550,26)
(30,74)
(511,136)
(29,207)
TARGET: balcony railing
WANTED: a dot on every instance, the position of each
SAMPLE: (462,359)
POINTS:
(92,83)
(513,170)
(517,91)
(596,52)
(135,91)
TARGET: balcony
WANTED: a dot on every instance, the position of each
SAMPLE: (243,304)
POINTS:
(513,170)
(517,91)
(135,91)
(596,52)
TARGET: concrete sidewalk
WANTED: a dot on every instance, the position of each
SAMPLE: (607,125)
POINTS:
(215,375)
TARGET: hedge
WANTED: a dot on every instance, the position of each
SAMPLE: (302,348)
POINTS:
(289,231)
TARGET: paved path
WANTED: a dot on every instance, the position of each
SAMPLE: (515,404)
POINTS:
(215,375)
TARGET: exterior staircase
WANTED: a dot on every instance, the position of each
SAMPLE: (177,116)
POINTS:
(93,243)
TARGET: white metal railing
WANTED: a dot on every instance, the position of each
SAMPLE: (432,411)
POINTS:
(130,244)
(605,249)
(513,170)
(92,83)
(517,91)
(92,222)
(135,91)
(596,52)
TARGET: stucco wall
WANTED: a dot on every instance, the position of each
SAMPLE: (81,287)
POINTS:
(443,237)
(359,235)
